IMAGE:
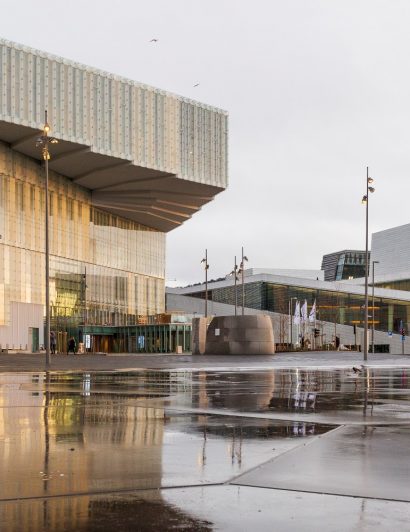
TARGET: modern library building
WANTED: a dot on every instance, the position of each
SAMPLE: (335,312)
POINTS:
(132,163)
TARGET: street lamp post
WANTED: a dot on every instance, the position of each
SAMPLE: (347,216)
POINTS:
(373,263)
(242,272)
(234,272)
(206,267)
(365,200)
(43,142)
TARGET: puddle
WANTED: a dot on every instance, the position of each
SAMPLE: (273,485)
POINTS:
(80,433)
(83,433)
(228,508)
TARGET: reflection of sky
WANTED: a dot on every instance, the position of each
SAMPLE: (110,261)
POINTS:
(235,508)
(191,452)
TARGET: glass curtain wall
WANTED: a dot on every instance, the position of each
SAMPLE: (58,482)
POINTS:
(105,270)
(334,307)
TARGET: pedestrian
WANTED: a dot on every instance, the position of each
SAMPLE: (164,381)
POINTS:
(71,345)
(53,342)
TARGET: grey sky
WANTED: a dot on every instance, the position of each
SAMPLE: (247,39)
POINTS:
(316,90)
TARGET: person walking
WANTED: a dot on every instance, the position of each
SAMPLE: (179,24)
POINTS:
(53,342)
(71,345)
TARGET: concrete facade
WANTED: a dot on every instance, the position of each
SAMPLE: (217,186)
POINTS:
(147,154)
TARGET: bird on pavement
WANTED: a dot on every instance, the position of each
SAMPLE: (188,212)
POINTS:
(356,370)
(154,40)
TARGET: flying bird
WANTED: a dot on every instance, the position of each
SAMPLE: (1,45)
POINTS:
(196,85)
(154,40)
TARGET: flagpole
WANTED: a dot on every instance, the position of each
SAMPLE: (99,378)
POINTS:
(314,335)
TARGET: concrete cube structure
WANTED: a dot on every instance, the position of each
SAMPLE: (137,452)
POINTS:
(240,335)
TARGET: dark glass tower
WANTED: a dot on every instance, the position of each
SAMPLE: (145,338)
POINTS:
(346,264)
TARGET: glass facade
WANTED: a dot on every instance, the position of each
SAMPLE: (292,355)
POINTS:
(105,270)
(351,265)
(347,264)
(338,307)
(403,284)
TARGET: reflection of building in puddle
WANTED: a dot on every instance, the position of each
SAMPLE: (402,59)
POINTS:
(237,430)
(56,443)
(234,390)
(304,400)
(142,510)
(317,391)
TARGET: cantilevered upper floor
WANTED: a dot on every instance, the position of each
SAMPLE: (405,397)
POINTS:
(145,154)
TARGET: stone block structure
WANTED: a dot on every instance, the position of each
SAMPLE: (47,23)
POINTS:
(240,335)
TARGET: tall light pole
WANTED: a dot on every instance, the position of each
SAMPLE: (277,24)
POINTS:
(365,200)
(43,142)
(234,272)
(204,261)
(242,272)
(373,263)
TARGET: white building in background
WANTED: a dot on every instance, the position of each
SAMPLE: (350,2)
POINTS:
(340,304)
(391,248)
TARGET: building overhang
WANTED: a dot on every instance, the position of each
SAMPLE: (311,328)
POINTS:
(153,198)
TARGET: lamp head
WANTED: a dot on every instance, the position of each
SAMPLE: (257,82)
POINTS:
(46,128)
(371,189)
(364,200)
(370,180)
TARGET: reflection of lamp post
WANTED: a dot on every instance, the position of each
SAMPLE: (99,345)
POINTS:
(365,200)
(242,271)
(206,266)
(291,320)
(373,263)
(43,141)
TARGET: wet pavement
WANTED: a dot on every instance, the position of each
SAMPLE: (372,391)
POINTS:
(134,361)
(205,449)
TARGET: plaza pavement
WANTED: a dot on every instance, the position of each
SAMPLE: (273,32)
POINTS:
(237,443)
(128,361)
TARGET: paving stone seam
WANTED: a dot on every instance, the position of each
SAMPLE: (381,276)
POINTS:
(194,486)
(295,490)
(108,492)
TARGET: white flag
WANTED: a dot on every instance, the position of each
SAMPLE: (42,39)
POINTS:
(312,313)
(304,312)
(296,318)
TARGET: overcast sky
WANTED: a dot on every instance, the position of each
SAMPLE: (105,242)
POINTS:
(315,90)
